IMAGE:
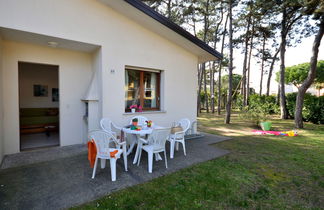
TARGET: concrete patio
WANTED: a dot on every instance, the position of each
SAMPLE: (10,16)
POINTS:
(57,178)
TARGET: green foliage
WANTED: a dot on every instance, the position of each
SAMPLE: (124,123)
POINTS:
(203,96)
(254,116)
(266,103)
(259,109)
(297,74)
(238,102)
(313,109)
(236,80)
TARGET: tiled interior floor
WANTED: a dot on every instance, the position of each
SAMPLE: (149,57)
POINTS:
(32,141)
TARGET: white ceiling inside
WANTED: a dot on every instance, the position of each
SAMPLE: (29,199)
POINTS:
(22,36)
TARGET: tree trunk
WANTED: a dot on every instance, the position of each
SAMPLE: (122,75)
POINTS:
(206,21)
(278,95)
(243,89)
(262,65)
(169,9)
(217,26)
(283,107)
(206,27)
(310,78)
(212,103)
(220,71)
(212,95)
(205,86)
(249,67)
(200,77)
(271,70)
(230,66)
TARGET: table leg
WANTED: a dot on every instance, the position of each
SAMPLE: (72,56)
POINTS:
(131,148)
(139,146)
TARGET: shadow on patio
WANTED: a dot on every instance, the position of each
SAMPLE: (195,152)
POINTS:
(58,178)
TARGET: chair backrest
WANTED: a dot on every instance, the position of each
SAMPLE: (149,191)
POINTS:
(158,137)
(102,139)
(105,124)
(193,127)
(185,124)
(141,120)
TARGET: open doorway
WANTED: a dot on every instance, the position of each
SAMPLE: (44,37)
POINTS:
(38,105)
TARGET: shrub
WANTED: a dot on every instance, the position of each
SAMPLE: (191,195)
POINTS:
(238,102)
(313,108)
(266,104)
(259,108)
(255,115)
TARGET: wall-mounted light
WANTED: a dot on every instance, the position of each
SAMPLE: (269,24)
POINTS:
(52,44)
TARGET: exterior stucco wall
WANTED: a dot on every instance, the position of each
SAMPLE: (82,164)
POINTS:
(123,42)
(1,104)
(75,72)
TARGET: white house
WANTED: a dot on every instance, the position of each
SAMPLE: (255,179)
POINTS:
(100,57)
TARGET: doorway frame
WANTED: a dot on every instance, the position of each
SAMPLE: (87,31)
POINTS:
(59,106)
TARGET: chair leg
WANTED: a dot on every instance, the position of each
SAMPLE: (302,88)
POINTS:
(113,169)
(94,169)
(177,146)
(103,163)
(150,161)
(172,148)
(184,147)
(139,157)
(166,161)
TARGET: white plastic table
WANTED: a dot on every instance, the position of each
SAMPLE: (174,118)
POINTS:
(138,134)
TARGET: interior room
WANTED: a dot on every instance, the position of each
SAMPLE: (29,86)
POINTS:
(38,105)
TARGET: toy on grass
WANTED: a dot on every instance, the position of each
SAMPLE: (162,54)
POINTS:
(277,133)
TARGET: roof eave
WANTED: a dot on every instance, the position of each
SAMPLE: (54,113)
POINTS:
(174,27)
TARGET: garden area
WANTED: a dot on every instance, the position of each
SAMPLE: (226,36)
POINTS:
(271,172)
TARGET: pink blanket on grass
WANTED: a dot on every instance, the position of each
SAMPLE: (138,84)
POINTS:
(277,133)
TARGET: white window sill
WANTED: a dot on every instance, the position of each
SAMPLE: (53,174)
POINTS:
(143,113)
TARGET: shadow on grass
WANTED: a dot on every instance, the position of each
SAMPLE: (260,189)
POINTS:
(261,172)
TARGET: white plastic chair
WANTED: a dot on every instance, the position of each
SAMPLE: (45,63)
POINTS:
(179,137)
(155,145)
(103,140)
(107,125)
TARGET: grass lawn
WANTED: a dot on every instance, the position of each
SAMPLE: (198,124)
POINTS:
(261,172)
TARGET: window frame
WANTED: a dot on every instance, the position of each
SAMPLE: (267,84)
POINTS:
(142,88)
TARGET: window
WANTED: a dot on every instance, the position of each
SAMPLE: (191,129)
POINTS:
(142,88)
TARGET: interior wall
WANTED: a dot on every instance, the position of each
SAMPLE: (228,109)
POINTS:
(1,104)
(75,73)
(31,74)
